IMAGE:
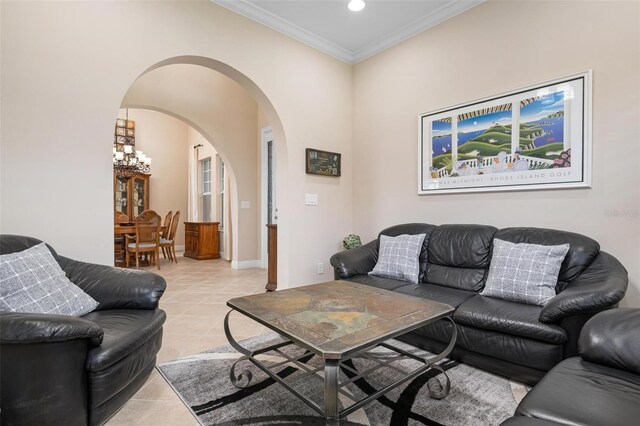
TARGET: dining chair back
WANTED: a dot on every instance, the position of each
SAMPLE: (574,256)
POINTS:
(119,217)
(147,237)
(174,226)
(118,240)
(168,243)
(167,223)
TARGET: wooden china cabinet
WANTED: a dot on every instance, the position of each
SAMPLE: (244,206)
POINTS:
(131,194)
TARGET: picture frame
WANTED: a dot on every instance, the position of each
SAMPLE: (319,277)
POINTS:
(121,122)
(130,132)
(325,163)
(121,131)
(121,140)
(131,124)
(531,138)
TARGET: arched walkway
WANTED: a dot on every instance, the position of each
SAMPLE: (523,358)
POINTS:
(180,109)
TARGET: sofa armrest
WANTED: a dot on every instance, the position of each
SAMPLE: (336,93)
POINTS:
(356,261)
(115,288)
(24,328)
(601,286)
(44,378)
(611,338)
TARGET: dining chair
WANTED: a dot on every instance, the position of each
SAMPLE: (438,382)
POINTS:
(169,242)
(165,231)
(118,240)
(167,223)
(146,239)
(119,217)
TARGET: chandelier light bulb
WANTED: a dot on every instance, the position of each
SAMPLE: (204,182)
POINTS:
(356,5)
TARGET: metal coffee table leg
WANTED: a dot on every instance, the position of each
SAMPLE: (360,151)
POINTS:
(331,388)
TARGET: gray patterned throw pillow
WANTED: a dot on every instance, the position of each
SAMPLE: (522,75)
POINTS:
(31,281)
(525,273)
(399,257)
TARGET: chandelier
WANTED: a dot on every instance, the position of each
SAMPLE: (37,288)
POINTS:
(126,160)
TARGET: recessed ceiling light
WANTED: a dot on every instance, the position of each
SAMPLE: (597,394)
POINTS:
(356,5)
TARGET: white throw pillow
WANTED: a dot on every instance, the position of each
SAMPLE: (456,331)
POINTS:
(399,257)
(525,273)
(32,281)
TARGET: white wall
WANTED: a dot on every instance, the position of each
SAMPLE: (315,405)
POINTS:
(493,48)
(66,67)
(164,139)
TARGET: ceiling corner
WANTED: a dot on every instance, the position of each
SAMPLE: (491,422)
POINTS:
(281,25)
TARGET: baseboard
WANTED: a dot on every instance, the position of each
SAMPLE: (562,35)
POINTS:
(180,247)
(245,264)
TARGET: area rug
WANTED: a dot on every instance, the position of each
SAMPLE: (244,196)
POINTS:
(202,382)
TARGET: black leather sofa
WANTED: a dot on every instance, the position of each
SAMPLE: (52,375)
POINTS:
(600,387)
(64,370)
(514,340)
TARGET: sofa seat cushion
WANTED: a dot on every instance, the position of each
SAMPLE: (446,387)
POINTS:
(579,392)
(513,318)
(448,295)
(125,330)
(519,350)
(379,282)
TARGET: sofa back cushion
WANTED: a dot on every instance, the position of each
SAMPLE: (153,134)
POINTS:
(582,250)
(412,229)
(458,256)
(15,243)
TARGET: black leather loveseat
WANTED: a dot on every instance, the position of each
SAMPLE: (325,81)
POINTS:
(511,339)
(600,387)
(65,370)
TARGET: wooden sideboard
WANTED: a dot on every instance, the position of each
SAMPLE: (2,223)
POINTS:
(272,249)
(201,240)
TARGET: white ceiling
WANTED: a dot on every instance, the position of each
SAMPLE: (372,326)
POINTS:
(352,37)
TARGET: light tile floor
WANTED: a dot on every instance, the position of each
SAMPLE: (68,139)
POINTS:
(195,305)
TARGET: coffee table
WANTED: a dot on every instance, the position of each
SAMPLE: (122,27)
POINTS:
(337,321)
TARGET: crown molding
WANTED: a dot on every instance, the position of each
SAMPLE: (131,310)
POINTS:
(449,10)
(258,14)
(279,24)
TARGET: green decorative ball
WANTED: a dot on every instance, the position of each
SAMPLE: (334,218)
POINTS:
(351,241)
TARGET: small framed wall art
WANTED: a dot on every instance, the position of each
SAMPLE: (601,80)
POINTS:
(536,137)
(323,162)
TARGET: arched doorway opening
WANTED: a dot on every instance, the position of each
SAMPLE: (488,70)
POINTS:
(164,88)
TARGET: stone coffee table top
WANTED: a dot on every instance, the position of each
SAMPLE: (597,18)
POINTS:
(337,318)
